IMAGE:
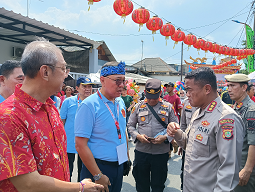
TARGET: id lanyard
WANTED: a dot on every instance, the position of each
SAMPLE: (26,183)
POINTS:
(78,98)
(115,121)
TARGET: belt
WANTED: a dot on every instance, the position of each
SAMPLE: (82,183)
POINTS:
(112,163)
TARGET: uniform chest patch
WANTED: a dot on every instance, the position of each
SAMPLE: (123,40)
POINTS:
(227,132)
(188,107)
(123,112)
(142,106)
(199,137)
(203,129)
(163,112)
(251,124)
(160,100)
(133,110)
(165,106)
(163,119)
(142,118)
(205,123)
(224,121)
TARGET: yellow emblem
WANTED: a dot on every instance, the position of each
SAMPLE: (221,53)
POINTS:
(165,106)
(199,137)
(163,112)
(133,110)
(188,107)
(142,118)
(152,91)
(212,106)
(163,119)
(142,106)
(205,123)
(160,100)
(239,105)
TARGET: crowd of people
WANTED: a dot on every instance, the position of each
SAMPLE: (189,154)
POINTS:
(44,124)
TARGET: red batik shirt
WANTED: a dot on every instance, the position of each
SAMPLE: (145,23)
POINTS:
(32,137)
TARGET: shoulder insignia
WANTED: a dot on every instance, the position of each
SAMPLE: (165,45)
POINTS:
(142,106)
(212,106)
(160,100)
(163,112)
(145,100)
(133,110)
(205,123)
(239,105)
(251,124)
(163,119)
(165,106)
(188,107)
(224,121)
(199,137)
(142,118)
(123,112)
(227,132)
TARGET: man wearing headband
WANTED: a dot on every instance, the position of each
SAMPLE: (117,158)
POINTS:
(100,135)
(151,153)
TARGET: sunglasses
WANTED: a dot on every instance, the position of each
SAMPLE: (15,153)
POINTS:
(117,81)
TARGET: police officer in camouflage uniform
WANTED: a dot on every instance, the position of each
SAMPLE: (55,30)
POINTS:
(213,140)
(245,107)
(151,154)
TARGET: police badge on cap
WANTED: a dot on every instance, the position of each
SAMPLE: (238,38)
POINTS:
(152,88)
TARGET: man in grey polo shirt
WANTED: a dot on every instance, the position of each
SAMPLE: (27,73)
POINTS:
(245,107)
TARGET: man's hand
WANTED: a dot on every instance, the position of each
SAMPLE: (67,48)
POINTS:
(104,180)
(143,138)
(159,139)
(91,187)
(172,128)
(244,177)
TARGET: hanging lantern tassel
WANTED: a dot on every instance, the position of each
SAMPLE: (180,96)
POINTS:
(90,3)
(153,32)
(175,43)
(123,17)
(198,51)
(167,37)
(140,26)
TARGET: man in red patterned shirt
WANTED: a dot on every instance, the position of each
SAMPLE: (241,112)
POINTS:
(32,138)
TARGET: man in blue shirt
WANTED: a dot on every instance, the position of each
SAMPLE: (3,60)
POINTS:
(10,75)
(67,114)
(100,135)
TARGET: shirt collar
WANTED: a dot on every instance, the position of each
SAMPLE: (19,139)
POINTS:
(30,101)
(104,99)
(244,102)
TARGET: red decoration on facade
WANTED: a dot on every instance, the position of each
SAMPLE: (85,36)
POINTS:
(140,16)
(190,40)
(90,2)
(123,8)
(178,36)
(167,30)
(154,24)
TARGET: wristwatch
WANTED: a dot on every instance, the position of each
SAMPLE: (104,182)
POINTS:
(98,176)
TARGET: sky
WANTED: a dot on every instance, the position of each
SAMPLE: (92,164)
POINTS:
(208,19)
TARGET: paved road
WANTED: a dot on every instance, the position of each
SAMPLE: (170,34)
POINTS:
(173,181)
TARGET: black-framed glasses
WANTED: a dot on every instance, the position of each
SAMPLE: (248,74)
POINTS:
(64,68)
(118,81)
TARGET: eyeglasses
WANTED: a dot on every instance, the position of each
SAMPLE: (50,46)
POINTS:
(118,81)
(62,68)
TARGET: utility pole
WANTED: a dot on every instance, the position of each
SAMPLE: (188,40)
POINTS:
(27,8)
(142,55)
(181,59)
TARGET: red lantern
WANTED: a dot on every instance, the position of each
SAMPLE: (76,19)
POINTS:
(140,16)
(214,47)
(227,50)
(123,8)
(233,61)
(220,50)
(178,36)
(167,30)
(207,46)
(90,2)
(154,24)
(190,40)
(231,51)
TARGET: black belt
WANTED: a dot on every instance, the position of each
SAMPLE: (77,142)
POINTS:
(112,163)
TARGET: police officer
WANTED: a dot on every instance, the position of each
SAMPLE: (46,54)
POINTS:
(213,139)
(245,107)
(187,112)
(151,154)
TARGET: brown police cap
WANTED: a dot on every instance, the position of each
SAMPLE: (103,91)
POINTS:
(152,88)
(238,78)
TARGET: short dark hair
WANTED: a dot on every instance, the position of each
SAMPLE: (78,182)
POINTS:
(38,53)
(8,66)
(203,76)
(249,87)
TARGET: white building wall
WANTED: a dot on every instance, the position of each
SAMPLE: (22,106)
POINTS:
(168,78)
(6,50)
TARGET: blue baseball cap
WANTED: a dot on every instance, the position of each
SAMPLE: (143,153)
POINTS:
(84,81)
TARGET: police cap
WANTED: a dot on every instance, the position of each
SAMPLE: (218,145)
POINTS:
(152,88)
(238,78)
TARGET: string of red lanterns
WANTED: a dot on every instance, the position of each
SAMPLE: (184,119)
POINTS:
(142,16)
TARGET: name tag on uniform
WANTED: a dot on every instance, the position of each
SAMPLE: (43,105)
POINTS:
(122,153)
